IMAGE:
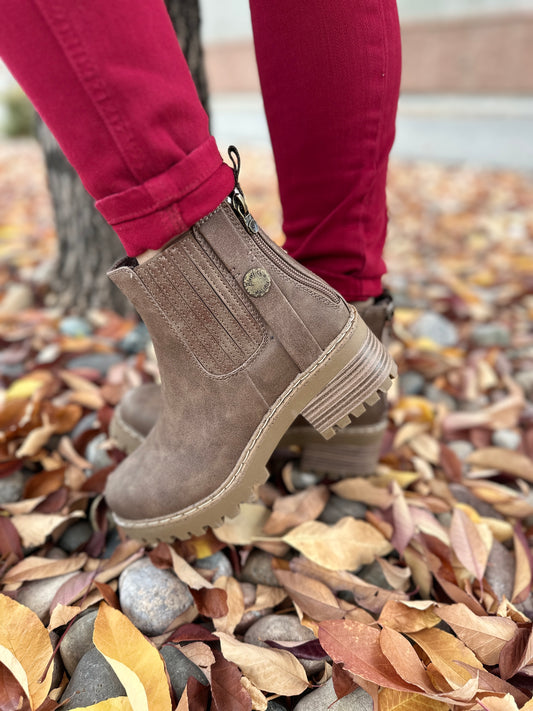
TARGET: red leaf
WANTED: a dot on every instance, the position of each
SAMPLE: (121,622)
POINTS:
(343,681)
(11,693)
(211,602)
(9,539)
(228,692)
(54,502)
(108,594)
(197,695)
(192,633)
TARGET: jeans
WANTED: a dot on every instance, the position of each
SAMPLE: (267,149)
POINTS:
(109,79)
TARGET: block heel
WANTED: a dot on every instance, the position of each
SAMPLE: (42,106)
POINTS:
(354,388)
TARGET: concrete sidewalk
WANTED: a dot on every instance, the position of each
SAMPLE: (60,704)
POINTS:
(491,132)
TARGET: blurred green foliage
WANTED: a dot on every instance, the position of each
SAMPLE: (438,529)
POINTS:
(19,114)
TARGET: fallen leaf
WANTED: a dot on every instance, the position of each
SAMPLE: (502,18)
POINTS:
(245,527)
(523,568)
(226,687)
(402,617)
(392,700)
(34,528)
(359,489)
(211,602)
(186,573)
(504,460)
(269,669)
(313,597)
(119,703)
(290,511)
(267,596)
(62,615)
(259,702)
(404,527)
(347,545)
(199,653)
(12,696)
(401,654)
(234,605)
(137,664)
(357,647)
(25,649)
(37,568)
(485,636)
(498,703)
(343,682)
(445,651)
(468,544)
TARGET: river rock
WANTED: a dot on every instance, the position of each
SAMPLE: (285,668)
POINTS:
(11,487)
(78,641)
(508,439)
(96,454)
(74,326)
(38,594)
(338,508)
(100,362)
(487,335)
(323,698)
(92,681)
(500,570)
(75,536)
(151,597)
(283,628)
(258,569)
(180,668)
(217,562)
(437,328)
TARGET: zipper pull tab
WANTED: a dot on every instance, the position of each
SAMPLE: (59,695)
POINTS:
(238,203)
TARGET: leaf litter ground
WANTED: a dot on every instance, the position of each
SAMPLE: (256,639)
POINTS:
(418,590)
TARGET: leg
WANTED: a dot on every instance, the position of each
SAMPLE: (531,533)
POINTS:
(330,75)
(100,73)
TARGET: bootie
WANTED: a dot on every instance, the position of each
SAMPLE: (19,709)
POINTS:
(246,340)
(354,451)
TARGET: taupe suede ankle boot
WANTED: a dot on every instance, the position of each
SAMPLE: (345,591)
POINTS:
(246,340)
(353,452)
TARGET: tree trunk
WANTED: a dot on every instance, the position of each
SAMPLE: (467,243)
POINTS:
(87,246)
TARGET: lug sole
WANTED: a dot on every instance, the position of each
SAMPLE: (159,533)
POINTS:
(334,378)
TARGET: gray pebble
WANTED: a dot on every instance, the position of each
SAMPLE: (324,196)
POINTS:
(508,439)
(136,340)
(275,706)
(111,544)
(92,681)
(258,569)
(435,327)
(438,396)
(462,448)
(283,628)
(75,536)
(59,670)
(303,479)
(180,668)
(152,598)
(373,574)
(490,334)
(11,487)
(74,326)
(337,508)
(323,698)
(95,454)
(96,361)
(525,379)
(38,594)
(217,562)
(78,641)
(412,383)
(250,617)
(500,570)
(465,496)
(86,423)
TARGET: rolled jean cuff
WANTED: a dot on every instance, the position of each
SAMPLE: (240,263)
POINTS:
(147,216)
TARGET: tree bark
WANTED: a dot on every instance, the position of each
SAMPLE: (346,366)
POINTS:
(87,246)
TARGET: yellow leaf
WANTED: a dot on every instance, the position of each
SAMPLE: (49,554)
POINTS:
(499,703)
(445,651)
(25,649)
(134,660)
(271,670)
(25,387)
(259,702)
(119,703)
(392,700)
(347,545)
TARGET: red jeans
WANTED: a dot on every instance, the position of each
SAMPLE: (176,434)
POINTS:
(109,79)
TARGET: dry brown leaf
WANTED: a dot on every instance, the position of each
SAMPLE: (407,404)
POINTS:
(271,670)
(313,597)
(468,544)
(504,460)
(523,572)
(267,596)
(37,568)
(485,636)
(259,701)
(25,649)
(289,511)
(499,703)
(119,703)
(346,545)
(199,653)
(137,664)
(35,440)
(445,650)
(186,573)
(404,527)
(427,447)
(404,659)
(62,615)
(403,617)
(34,528)
(398,578)
(235,602)
(244,528)
(392,700)
(362,490)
